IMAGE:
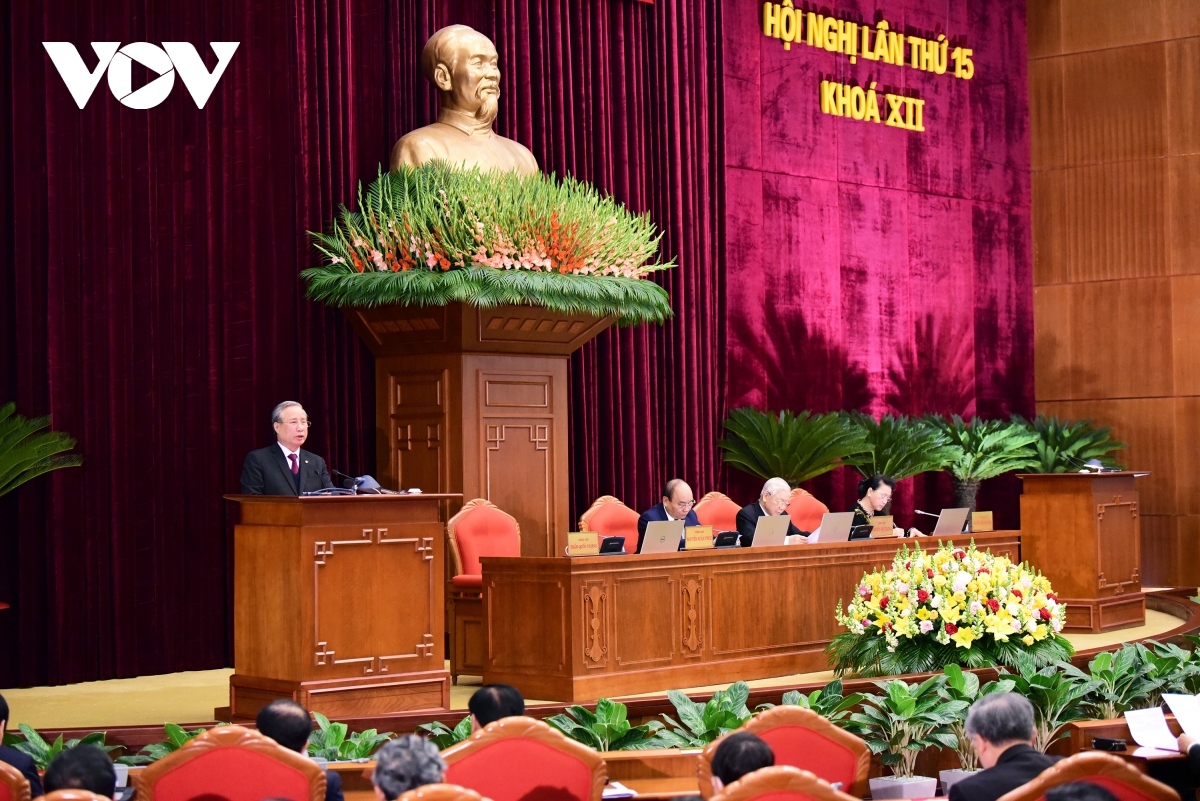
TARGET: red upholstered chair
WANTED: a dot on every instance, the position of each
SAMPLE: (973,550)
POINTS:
(441,792)
(73,795)
(805,510)
(781,783)
(802,739)
(608,517)
(479,529)
(522,758)
(236,763)
(717,510)
(13,786)
(1096,767)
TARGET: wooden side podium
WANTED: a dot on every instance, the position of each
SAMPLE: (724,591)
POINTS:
(338,603)
(1082,531)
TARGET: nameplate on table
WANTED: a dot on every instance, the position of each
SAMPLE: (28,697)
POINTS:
(982,521)
(583,543)
(882,526)
(697,538)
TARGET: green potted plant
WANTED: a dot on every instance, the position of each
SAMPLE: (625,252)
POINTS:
(27,452)
(331,742)
(1116,683)
(700,724)
(828,702)
(964,686)
(899,447)
(1056,696)
(795,447)
(984,449)
(1064,446)
(900,723)
(443,736)
(607,729)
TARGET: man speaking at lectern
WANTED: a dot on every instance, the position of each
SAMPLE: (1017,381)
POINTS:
(283,468)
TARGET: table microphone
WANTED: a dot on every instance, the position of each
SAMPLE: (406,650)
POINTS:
(351,482)
(927,514)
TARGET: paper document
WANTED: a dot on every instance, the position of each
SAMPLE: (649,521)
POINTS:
(1148,727)
(1151,753)
(617,790)
(1186,709)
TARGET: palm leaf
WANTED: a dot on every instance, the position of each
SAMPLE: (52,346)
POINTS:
(986,448)
(899,447)
(795,447)
(27,452)
(1064,446)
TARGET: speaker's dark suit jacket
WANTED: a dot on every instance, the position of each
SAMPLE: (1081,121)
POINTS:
(658,514)
(747,521)
(24,763)
(266,472)
(1016,766)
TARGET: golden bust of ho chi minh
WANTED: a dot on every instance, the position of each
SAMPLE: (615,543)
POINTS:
(461,62)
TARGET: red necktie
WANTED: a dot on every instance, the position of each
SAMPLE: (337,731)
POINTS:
(295,464)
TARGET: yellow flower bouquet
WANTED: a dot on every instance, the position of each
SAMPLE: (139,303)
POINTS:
(955,606)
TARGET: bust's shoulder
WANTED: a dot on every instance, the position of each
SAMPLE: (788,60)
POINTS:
(523,155)
(420,145)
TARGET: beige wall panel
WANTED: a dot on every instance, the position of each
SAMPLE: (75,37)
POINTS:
(1044,22)
(1187,457)
(1183,220)
(1183,94)
(1114,104)
(1185,345)
(1051,263)
(1055,373)
(1147,425)
(1116,220)
(1098,24)
(1047,148)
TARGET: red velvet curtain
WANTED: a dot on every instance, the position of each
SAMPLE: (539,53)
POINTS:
(150,299)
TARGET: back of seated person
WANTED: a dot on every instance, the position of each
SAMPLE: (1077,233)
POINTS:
(289,724)
(1000,726)
(404,764)
(738,754)
(84,767)
(18,759)
(1079,791)
(491,702)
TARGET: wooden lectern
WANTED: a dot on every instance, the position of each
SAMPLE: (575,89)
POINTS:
(338,604)
(1082,531)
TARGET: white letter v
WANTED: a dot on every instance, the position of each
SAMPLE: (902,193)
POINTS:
(75,75)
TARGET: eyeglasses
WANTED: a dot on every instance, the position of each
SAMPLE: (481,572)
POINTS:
(298,423)
(683,504)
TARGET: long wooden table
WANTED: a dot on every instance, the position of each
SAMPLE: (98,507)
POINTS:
(576,629)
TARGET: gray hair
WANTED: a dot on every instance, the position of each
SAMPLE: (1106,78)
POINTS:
(1001,718)
(773,486)
(277,412)
(406,763)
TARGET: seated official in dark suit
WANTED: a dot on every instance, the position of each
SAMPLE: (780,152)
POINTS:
(84,767)
(738,755)
(773,500)
(874,494)
(1000,726)
(282,468)
(18,759)
(677,503)
(1187,745)
(289,724)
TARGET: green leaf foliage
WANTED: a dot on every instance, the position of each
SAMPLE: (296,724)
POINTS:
(985,449)
(436,234)
(1116,682)
(443,736)
(607,729)
(964,686)
(795,447)
(851,653)
(828,702)
(42,752)
(1057,697)
(333,742)
(1064,446)
(899,447)
(26,451)
(906,719)
(700,724)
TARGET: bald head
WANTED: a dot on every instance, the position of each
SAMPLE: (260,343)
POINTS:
(678,499)
(462,63)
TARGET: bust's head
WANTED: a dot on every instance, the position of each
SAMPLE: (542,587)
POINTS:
(462,63)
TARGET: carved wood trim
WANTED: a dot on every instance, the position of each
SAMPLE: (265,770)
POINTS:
(692,614)
(595,623)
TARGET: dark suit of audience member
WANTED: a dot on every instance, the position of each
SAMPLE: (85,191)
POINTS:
(24,763)
(1000,726)
(288,723)
(747,521)
(1016,766)
(677,504)
(658,514)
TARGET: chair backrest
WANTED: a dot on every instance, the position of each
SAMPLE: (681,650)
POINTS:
(802,739)
(441,792)
(480,528)
(717,510)
(1111,772)
(522,758)
(73,795)
(13,784)
(805,510)
(610,518)
(237,763)
(781,783)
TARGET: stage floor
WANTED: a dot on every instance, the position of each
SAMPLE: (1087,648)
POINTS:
(191,697)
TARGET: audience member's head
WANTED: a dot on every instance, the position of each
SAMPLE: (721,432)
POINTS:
(738,754)
(677,498)
(775,496)
(875,492)
(3,716)
(997,722)
(287,723)
(494,701)
(84,767)
(406,763)
(1079,791)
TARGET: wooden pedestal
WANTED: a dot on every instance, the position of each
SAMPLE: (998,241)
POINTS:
(1082,531)
(338,604)
(474,401)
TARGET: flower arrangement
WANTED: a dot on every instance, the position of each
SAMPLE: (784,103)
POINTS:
(434,234)
(956,606)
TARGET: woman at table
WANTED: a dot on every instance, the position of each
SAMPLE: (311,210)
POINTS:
(874,494)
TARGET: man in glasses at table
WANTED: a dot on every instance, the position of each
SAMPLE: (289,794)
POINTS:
(283,468)
(677,503)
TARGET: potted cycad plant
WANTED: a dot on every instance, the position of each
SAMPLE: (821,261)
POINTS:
(984,449)
(965,687)
(899,447)
(795,447)
(900,723)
